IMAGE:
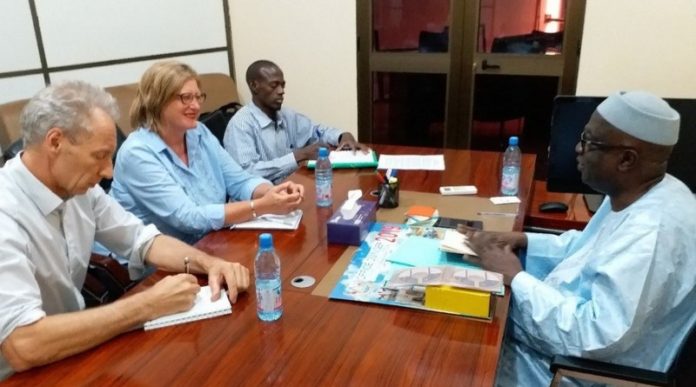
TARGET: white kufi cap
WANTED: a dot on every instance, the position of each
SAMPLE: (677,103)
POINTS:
(642,115)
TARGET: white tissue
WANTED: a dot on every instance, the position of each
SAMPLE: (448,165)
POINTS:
(349,208)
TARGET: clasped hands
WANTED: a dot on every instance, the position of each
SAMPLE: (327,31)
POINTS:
(495,250)
(282,198)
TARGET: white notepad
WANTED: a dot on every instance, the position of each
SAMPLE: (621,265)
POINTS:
(412,162)
(202,308)
(289,221)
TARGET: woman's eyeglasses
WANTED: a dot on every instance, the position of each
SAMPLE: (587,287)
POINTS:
(187,98)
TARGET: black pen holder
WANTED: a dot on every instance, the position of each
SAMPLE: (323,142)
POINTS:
(388,195)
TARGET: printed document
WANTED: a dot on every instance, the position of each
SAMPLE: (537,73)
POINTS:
(413,162)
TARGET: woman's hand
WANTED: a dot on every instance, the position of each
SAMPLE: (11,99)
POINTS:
(281,199)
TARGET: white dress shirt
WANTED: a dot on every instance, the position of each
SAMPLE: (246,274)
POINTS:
(622,291)
(45,246)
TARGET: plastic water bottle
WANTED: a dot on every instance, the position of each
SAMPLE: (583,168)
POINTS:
(269,302)
(512,160)
(323,176)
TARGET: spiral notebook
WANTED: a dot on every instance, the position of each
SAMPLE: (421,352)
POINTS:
(202,308)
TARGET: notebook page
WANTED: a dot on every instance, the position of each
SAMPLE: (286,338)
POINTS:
(202,308)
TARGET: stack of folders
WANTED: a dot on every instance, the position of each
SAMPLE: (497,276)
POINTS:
(289,221)
(451,289)
(203,308)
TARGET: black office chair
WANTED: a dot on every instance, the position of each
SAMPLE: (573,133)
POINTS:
(501,100)
(537,42)
(120,138)
(217,120)
(681,373)
(433,41)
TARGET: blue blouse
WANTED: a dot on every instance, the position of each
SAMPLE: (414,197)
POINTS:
(186,202)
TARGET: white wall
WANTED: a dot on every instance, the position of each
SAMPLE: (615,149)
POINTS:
(627,44)
(76,32)
(313,41)
(639,44)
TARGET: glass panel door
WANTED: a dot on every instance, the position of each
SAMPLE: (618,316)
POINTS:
(518,69)
(463,73)
(408,61)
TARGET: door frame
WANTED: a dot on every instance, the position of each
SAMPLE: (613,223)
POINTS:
(461,64)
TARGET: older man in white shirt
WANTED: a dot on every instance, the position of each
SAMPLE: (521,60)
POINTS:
(51,212)
(624,289)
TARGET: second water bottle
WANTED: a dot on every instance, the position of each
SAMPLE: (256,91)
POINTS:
(323,176)
(510,174)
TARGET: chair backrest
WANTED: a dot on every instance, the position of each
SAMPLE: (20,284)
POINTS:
(124,95)
(10,131)
(217,120)
(433,41)
(683,369)
(221,90)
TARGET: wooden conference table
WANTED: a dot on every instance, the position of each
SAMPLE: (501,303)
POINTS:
(317,341)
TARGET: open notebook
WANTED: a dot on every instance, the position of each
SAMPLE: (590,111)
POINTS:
(289,221)
(202,308)
(349,159)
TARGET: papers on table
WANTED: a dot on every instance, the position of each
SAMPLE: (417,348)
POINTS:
(273,222)
(456,242)
(423,162)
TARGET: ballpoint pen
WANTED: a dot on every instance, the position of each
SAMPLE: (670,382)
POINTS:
(493,213)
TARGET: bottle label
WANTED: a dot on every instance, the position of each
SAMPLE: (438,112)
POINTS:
(269,299)
(510,180)
(323,191)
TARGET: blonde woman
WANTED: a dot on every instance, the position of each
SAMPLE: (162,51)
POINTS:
(172,171)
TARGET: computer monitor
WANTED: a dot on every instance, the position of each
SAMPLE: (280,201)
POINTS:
(571,113)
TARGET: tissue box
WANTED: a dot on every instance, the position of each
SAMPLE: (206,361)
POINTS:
(351,231)
(461,301)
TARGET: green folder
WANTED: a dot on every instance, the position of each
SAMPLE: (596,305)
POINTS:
(348,159)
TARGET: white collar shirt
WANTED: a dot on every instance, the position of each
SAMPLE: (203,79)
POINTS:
(46,243)
(623,290)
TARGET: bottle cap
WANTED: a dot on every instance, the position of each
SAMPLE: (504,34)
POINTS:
(323,152)
(266,241)
(513,140)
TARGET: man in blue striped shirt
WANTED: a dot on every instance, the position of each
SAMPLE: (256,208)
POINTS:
(271,141)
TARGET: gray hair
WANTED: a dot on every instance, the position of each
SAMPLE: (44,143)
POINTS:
(67,105)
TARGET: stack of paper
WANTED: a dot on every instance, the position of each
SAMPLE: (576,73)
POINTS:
(289,221)
(413,162)
(456,242)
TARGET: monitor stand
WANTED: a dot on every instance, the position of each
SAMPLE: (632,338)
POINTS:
(593,201)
